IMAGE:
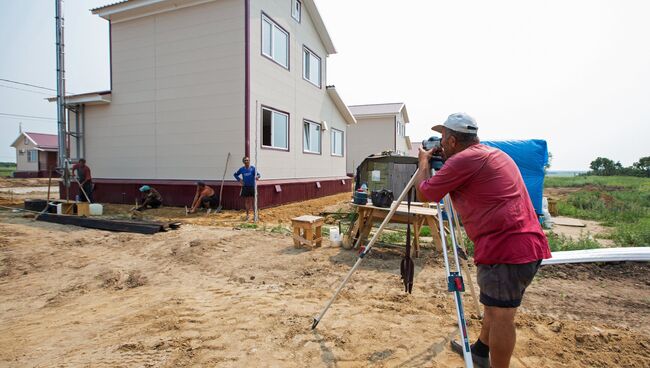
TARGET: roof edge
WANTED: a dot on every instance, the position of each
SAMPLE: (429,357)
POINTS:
(340,105)
(325,37)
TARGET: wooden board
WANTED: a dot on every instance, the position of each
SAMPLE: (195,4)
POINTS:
(566,221)
(101,224)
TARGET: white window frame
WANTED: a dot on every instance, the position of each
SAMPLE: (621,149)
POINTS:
(296,10)
(33,153)
(274,113)
(333,142)
(307,54)
(306,136)
(274,26)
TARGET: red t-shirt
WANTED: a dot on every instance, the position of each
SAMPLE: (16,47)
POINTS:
(83,173)
(489,194)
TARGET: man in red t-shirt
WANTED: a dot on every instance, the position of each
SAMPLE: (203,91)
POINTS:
(82,172)
(488,192)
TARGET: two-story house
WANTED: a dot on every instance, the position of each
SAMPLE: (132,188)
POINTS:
(36,155)
(380,127)
(194,80)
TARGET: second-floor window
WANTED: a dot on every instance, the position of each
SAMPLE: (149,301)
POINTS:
(296,9)
(311,67)
(275,42)
(337,142)
(311,137)
(275,129)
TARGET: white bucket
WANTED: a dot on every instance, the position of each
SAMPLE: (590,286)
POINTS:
(96,209)
(59,209)
(334,234)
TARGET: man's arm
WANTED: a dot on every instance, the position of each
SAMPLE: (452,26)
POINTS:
(236,175)
(424,171)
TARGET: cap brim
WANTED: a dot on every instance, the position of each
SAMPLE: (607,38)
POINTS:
(438,128)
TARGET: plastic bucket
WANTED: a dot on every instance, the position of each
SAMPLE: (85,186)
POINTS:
(59,209)
(96,209)
(334,234)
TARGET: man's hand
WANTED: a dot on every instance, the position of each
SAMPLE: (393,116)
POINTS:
(424,155)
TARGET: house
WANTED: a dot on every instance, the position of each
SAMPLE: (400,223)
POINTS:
(380,127)
(194,80)
(36,155)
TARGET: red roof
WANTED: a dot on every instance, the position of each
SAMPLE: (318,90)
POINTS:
(43,140)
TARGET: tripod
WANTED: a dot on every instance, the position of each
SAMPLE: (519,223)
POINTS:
(454,278)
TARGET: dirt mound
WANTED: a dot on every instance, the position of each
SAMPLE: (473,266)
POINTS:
(615,271)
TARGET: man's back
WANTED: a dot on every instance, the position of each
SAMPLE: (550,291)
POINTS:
(489,194)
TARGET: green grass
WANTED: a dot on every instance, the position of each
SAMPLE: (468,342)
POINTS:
(7,170)
(562,242)
(622,203)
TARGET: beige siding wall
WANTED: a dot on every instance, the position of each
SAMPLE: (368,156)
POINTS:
(368,136)
(286,90)
(177,96)
(21,159)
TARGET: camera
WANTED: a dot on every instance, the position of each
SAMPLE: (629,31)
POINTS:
(435,162)
(431,143)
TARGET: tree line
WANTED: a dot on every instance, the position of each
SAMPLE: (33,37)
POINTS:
(603,166)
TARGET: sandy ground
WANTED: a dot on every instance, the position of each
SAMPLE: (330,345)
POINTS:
(208,295)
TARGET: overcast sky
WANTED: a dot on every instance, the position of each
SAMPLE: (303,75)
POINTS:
(574,72)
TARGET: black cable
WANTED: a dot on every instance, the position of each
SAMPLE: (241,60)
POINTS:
(27,90)
(26,116)
(27,84)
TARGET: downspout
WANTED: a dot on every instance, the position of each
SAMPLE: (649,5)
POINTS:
(76,130)
(395,133)
(247,80)
(83,131)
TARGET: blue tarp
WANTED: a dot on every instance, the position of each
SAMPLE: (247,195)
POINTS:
(530,156)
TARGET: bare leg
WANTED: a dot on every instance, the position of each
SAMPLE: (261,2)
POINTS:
(501,335)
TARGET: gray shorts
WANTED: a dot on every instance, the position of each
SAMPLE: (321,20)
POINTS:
(503,285)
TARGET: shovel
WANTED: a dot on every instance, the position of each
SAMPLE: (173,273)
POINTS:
(222,180)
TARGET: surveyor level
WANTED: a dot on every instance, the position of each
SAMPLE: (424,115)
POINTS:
(454,278)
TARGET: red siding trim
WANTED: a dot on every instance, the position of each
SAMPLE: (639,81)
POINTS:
(181,192)
(247,80)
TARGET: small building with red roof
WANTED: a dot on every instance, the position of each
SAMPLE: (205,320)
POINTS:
(36,154)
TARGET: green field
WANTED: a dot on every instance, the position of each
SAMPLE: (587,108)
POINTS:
(620,202)
(7,170)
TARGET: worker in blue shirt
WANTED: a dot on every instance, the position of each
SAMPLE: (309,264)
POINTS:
(247,175)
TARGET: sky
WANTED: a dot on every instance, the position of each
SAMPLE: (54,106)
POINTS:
(575,73)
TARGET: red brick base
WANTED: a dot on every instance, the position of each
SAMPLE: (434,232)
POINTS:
(181,192)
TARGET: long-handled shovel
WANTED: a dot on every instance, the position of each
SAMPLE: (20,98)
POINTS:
(387,219)
(82,189)
(222,180)
(407,266)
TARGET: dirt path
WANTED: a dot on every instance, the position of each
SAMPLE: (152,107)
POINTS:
(206,296)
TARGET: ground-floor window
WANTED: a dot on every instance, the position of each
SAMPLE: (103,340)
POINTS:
(337,142)
(275,129)
(32,156)
(311,137)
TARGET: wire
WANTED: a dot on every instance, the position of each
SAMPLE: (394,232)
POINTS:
(27,90)
(25,116)
(27,84)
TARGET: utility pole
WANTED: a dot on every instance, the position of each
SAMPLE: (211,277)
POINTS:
(60,92)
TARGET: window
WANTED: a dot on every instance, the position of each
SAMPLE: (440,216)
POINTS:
(296,8)
(275,129)
(337,142)
(311,67)
(311,137)
(275,42)
(32,156)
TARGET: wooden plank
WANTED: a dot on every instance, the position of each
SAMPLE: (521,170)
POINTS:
(101,224)
(567,221)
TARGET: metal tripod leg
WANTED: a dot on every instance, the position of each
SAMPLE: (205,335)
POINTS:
(454,279)
(387,219)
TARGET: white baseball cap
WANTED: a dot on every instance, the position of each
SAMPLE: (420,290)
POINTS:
(459,122)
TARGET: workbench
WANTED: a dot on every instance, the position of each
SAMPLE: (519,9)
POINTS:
(419,216)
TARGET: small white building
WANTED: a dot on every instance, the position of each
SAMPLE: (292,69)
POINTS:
(194,80)
(380,127)
(36,155)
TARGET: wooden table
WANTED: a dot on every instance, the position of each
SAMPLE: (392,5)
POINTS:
(419,217)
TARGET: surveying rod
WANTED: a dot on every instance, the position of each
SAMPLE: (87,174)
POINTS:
(454,278)
(392,211)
